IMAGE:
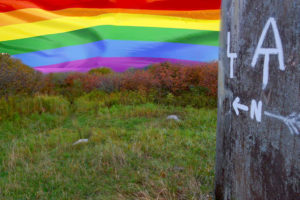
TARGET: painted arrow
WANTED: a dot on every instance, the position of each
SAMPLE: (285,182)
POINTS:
(292,121)
(237,106)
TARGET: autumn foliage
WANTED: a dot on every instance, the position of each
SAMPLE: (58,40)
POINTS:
(16,78)
(173,82)
(177,78)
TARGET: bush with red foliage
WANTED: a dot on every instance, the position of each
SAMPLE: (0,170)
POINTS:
(139,81)
(170,77)
(164,78)
(204,76)
(87,82)
(174,82)
(176,78)
(53,83)
(208,78)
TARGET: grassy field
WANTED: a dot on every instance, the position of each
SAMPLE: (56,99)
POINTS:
(133,152)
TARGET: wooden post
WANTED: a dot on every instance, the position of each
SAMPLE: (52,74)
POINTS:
(258,139)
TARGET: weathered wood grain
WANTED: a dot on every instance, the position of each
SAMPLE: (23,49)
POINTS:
(259,159)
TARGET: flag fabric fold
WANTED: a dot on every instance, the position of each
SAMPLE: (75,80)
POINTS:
(78,35)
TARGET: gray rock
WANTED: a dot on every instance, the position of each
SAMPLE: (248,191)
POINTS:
(81,141)
(173,117)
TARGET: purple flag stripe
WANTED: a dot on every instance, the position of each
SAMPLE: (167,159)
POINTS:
(117,64)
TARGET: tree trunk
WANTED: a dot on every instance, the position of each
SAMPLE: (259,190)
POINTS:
(258,136)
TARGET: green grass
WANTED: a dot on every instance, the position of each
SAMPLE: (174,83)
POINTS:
(133,153)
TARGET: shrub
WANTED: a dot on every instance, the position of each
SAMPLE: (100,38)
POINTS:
(53,83)
(165,83)
(170,77)
(139,81)
(16,77)
(76,84)
(204,76)
(208,78)
(109,83)
(100,71)
(86,82)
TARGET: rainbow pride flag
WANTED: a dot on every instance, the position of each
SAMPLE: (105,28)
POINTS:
(78,35)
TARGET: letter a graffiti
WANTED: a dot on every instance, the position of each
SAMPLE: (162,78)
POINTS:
(269,51)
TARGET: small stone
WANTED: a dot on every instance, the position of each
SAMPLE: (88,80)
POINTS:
(173,117)
(81,141)
(177,168)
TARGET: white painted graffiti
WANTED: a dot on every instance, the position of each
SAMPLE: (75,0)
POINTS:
(230,55)
(292,121)
(266,52)
(237,106)
(261,51)
(255,108)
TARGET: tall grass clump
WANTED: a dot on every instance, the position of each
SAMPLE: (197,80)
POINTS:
(26,105)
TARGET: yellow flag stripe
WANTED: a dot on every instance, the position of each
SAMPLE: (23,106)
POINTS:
(66,24)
